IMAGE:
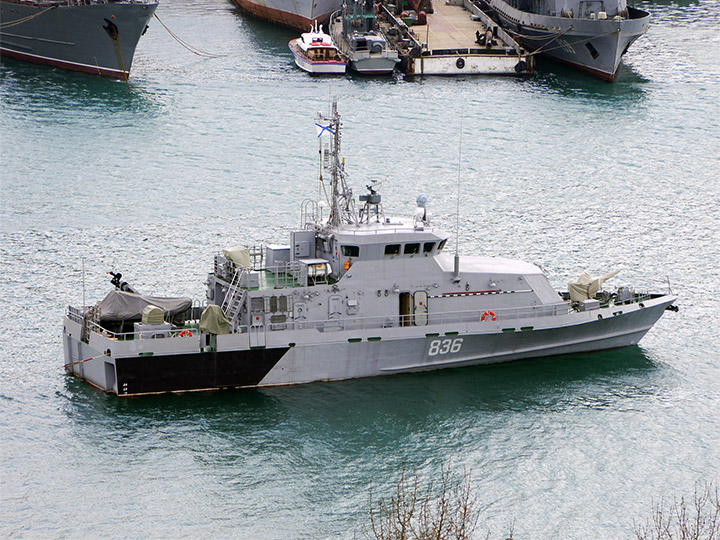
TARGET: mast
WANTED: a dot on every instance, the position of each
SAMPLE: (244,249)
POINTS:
(342,205)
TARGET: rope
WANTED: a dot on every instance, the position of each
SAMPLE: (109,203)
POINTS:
(121,61)
(559,34)
(83,361)
(5,25)
(189,47)
(542,49)
(538,51)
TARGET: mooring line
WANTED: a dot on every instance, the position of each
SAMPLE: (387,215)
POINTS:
(5,25)
(189,47)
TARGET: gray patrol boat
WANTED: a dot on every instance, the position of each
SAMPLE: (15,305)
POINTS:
(591,35)
(93,36)
(356,293)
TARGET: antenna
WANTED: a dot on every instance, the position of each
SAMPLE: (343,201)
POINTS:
(83,282)
(456,275)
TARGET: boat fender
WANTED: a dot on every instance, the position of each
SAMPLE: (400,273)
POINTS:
(520,66)
(490,313)
(184,333)
(460,63)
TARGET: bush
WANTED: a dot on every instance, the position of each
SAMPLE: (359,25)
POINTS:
(446,510)
(681,520)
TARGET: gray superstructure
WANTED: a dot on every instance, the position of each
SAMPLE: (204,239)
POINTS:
(356,293)
(96,37)
(591,35)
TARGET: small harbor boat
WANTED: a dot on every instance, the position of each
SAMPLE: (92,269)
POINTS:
(356,32)
(315,52)
(590,35)
(355,293)
(93,36)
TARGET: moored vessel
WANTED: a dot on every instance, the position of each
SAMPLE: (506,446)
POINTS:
(315,52)
(90,36)
(357,33)
(591,35)
(297,14)
(355,293)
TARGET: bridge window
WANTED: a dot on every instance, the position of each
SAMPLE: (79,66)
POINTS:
(392,249)
(428,247)
(351,251)
(412,249)
(442,245)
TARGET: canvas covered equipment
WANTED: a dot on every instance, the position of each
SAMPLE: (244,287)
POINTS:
(213,321)
(153,315)
(240,255)
(124,306)
(587,286)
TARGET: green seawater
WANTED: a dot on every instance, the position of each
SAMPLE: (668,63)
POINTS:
(199,154)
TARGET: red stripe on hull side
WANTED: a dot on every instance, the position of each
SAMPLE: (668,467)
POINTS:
(94,70)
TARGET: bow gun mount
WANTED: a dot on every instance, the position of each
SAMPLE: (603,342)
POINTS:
(121,285)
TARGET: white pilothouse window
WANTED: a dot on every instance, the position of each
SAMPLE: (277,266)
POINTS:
(428,247)
(392,249)
(412,249)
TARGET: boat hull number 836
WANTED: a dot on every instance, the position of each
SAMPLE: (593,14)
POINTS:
(444,346)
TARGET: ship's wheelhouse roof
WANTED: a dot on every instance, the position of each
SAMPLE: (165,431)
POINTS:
(489,265)
(393,230)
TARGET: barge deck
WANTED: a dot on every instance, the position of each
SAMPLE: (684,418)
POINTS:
(458,39)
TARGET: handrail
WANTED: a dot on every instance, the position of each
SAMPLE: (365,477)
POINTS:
(375,322)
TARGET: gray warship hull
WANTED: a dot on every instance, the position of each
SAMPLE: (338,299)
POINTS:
(340,350)
(299,14)
(97,38)
(592,45)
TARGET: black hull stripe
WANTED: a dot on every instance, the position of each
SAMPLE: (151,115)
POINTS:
(196,371)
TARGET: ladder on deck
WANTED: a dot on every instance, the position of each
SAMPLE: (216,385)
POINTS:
(234,297)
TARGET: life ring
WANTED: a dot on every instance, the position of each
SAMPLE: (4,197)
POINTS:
(184,333)
(486,314)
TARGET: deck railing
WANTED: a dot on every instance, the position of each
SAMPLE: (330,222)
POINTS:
(509,316)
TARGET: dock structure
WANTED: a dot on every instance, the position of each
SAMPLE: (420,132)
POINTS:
(457,39)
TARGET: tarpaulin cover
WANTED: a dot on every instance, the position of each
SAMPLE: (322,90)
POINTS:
(153,315)
(586,286)
(124,306)
(239,255)
(213,321)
